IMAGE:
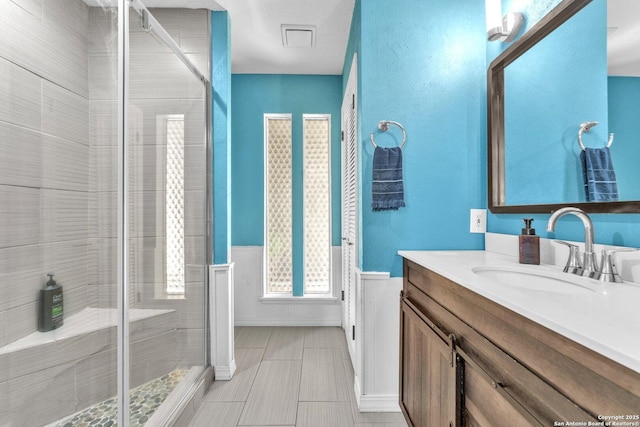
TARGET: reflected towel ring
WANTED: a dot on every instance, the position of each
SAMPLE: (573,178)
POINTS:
(586,127)
(384,126)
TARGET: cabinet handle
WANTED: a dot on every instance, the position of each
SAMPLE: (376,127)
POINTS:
(452,349)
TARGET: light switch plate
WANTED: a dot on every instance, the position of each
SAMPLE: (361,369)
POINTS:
(478,221)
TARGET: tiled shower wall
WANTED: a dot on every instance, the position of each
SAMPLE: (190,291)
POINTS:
(58,165)
(44,158)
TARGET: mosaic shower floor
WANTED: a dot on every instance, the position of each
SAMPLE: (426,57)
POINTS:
(144,400)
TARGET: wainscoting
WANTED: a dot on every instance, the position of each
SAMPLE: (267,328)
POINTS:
(221,304)
(376,363)
(250,310)
(374,352)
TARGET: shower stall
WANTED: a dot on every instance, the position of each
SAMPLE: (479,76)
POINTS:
(104,182)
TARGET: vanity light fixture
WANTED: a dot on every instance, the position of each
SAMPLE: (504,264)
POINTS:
(503,28)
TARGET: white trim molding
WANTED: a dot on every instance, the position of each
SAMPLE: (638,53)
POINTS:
(376,363)
(252,309)
(221,280)
(375,403)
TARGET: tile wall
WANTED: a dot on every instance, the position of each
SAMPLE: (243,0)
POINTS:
(58,177)
(58,170)
(44,159)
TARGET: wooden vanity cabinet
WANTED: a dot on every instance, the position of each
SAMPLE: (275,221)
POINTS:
(467,361)
(429,389)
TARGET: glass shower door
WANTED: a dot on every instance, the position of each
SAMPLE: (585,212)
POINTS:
(63,205)
(166,198)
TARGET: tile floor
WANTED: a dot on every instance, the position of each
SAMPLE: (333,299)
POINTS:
(298,376)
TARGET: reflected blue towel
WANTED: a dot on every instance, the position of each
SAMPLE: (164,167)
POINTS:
(388,190)
(599,177)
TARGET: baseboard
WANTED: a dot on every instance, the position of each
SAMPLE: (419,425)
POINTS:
(356,390)
(225,373)
(375,403)
(380,403)
(284,322)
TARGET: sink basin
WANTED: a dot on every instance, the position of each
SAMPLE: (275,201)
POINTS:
(535,279)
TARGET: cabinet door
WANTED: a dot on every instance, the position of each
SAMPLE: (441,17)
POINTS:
(516,372)
(427,375)
(487,405)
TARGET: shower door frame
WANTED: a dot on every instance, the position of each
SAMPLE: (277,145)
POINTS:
(150,23)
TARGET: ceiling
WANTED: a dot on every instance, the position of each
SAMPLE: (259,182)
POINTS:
(257,48)
(623,22)
(256,37)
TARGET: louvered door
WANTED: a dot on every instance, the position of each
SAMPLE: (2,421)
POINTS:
(349,206)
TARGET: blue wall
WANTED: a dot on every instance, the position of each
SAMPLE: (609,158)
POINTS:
(617,229)
(422,63)
(252,97)
(221,109)
(549,91)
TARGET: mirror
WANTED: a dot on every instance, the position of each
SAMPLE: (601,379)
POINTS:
(543,87)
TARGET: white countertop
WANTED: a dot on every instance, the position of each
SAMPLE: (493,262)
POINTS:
(605,320)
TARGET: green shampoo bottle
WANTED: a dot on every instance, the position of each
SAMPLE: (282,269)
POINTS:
(50,313)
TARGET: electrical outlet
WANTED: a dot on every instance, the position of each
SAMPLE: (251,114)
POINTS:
(478,221)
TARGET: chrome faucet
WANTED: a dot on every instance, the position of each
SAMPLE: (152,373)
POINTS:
(589,265)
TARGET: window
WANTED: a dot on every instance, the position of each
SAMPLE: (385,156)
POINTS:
(174,205)
(278,212)
(317,207)
(287,273)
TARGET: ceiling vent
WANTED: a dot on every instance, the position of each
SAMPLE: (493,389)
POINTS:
(298,36)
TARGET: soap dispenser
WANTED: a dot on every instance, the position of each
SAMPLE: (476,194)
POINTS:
(50,313)
(529,244)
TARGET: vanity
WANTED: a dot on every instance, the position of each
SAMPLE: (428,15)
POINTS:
(482,345)
(486,341)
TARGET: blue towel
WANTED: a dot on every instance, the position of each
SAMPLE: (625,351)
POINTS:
(599,177)
(388,190)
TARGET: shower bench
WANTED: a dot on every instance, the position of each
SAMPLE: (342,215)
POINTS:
(48,375)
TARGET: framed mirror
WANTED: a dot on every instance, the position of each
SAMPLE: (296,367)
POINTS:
(547,84)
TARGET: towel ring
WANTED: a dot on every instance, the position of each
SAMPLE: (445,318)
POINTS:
(384,126)
(586,127)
